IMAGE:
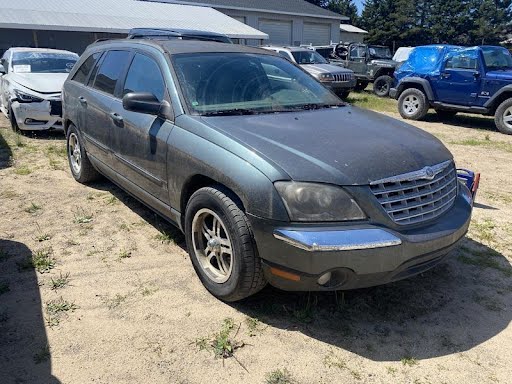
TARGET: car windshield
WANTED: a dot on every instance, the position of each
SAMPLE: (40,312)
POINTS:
(243,83)
(497,58)
(308,57)
(43,62)
(379,52)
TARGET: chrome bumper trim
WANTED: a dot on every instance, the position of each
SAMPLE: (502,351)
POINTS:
(340,240)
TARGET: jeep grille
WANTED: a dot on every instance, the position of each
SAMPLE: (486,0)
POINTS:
(418,196)
(342,76)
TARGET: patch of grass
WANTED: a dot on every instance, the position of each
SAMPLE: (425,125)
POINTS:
(55,163)
(484,230)
(124,254)
(55,309)
(484,259)
(43,237)
(112,200)
(43,355)
(496,196)
(409,361)
(165,237)
(333,361)
(22,170)
(82,217)
(368,100)
(59,282)
(222,344)
(33,208)
(486,142)
(42,261)
(391,370)
(116,301)
(18,141)
(4,287)
(59,150)
(278,377)
(254,326)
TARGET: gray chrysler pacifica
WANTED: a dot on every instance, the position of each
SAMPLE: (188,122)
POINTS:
(269,175)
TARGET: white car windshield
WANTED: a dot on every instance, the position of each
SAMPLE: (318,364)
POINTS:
(43,62)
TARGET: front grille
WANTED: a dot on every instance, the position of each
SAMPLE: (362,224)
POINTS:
(56,107)
(342,76)
(418,196)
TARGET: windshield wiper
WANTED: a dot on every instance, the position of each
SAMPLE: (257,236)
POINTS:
(316,106)
(231,112)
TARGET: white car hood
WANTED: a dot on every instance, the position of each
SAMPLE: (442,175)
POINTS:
(316,69)
(40,82)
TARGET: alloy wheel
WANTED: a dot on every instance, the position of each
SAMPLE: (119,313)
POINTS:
(411,105)
(507,118)
(75,153)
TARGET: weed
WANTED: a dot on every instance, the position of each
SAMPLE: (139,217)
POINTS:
(59,150)
(124,254)
(116,301)
(43,237)
(409,361)
(42,261)
(391,370)
(43,355)
(33,208)
(112,200)
(147,290)
(22,170)
(124,227)
(254,326)
(59,282)
(55,164)
(278,377)
(55,309)
(164,238)
(4,287)
(333,361)
(81,217)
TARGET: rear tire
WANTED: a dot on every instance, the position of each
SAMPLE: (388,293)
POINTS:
(445,115)
(221,245)
(81,168)
(382,85)
(503,117)
(412,104)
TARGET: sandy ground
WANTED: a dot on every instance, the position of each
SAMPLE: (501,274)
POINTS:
(116,299)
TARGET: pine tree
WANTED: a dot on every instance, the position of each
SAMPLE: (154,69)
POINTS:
(346,8)
(490,21)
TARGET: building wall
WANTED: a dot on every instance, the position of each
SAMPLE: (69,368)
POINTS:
(71,41)
(351,37)
(253,19)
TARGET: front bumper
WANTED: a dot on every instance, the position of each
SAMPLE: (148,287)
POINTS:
(38,116)
(296,256)
(340,85)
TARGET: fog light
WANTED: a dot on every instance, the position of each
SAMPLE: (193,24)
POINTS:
(324,279)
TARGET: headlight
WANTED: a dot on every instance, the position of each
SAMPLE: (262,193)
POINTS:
(26,98)
(326,77)
(318,202)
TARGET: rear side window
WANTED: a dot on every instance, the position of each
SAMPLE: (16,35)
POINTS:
(110,70)
(85,68)
(144,76)
(461,62)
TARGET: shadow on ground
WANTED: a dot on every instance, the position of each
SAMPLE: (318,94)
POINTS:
(5,153)
(24,351)
(465,121)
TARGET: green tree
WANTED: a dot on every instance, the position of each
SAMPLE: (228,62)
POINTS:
(491,19)
(346,8)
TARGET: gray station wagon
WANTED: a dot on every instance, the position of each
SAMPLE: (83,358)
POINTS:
(271,177)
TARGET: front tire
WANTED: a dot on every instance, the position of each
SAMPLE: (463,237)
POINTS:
(221,245)
(503,117)
(412,104)
(382,85)
(81,168)
(12,119)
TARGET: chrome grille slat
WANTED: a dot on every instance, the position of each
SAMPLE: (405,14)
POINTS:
(342,77)
(414,197)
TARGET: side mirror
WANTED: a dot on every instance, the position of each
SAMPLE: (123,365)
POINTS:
(2,70)
(145,102)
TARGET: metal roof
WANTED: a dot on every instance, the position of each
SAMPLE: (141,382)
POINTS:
(285,7)
(118,16)
(351,28)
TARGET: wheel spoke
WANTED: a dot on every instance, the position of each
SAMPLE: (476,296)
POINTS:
(206,231)
(507,119)
(223,266)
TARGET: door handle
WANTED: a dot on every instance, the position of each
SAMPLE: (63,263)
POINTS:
(116,117)
(445,75)
(82,100)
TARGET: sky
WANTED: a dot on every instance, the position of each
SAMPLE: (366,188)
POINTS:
(359,4)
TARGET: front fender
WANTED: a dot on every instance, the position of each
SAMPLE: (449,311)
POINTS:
(407,82)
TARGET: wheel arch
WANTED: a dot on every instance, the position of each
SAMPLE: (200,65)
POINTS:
(384,72)
(494,102)
(417,83)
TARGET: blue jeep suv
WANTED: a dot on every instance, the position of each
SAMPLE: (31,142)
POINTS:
(454,79)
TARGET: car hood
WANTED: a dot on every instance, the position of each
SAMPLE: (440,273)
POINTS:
(344,146)
(40,82)
(500,75)
(316,69)
(384,63)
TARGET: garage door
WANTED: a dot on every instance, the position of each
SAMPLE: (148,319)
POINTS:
(316,34)
(278,31)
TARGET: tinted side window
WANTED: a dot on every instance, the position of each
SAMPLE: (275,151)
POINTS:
(85,68)
(110,70)
(285,55)
(144,76)
(461,62)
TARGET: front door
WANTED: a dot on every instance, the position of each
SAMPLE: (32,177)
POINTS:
(357,60)
(459,81)
(140,140)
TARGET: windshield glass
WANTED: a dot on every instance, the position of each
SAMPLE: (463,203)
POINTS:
(379,52)
(242,83)
(497,58)
(308,57)
(43,62)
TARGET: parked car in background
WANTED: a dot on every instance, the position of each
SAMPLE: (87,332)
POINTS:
(269,175)
(370,63)
(340,80)
(180,34)
(402,54)
(30,86)
(454,79)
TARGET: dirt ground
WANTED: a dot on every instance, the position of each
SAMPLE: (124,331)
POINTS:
(95,288)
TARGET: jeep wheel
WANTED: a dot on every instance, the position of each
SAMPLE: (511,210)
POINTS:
(445,115)
(382,85)
(503,117)
(221,245)
(361,86)
(412,104)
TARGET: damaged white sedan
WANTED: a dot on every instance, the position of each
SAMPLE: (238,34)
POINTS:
(31,81)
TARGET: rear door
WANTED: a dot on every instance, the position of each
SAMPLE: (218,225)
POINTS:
(460,80)
(140,140)
(98,99)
